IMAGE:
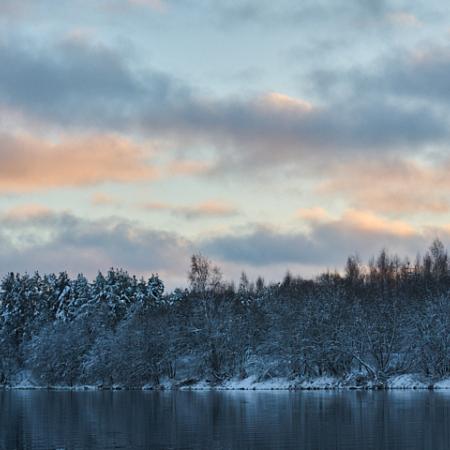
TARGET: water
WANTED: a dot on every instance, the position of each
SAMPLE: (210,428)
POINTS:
(225,420)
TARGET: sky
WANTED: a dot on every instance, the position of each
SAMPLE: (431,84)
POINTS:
(266,135)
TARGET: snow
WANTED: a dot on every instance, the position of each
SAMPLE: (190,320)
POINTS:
(24,380)
(318,383)
(407,381)
(442,384)
(252,383)
(200,385)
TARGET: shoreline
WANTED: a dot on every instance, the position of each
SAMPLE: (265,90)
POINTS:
(397,382)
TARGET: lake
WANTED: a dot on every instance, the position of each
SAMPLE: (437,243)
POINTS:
(225,420)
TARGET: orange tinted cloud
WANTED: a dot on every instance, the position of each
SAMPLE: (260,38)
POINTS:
(359,220)
(395,186)
(283,101)
(29,164)
(26,212)
(214,208)
(314,214)
(370,222)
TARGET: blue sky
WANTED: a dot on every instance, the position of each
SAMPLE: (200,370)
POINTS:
(267,135)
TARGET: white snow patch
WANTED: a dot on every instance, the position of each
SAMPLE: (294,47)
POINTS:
(242,383)
(275,383)
(249,383)
(406,381)
(83,387)
(442,384)
(252,383)
(198,386)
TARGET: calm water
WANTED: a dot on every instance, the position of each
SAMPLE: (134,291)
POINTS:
(225,420)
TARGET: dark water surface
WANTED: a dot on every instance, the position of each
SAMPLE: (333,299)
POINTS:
(225,420)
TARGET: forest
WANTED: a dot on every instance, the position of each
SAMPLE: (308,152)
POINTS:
(374,320)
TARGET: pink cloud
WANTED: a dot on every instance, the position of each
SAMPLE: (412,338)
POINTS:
(407,186)
(28,163)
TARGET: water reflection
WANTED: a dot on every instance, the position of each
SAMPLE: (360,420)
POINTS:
(225,420)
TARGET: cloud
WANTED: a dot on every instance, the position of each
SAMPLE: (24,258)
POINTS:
(28,163)
(367,221)
(313,215)
(73,67)
(300,132)
(327,243)
(78,85)
(403,19)
(48,241)
(102,199)
(188,167)
(285,13)
(29,211)
(62,241)
(211,208)
(245,132)
(204,210)
(158,5)
(284,102)
(13,8)
(408,187)
(132,6)
(419,73)
(360,134)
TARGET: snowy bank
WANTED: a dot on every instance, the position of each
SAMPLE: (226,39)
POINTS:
(408,381)
(442,384)
(24,380)
(352,381)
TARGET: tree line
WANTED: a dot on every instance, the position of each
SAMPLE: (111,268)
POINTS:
(389,316)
